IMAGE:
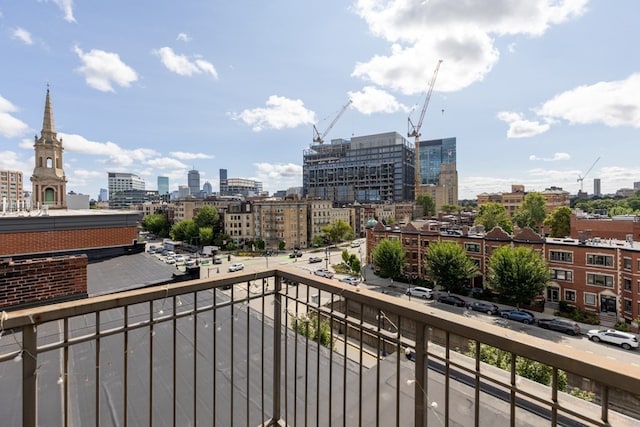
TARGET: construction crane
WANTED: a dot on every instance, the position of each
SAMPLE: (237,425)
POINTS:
(581,178)
(414,130)
(319,139)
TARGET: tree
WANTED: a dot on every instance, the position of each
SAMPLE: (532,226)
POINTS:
(448,265)
(389,258)
(531,212)
(207,216)
(352,261)
(156,224)
(205,235)
(559,222)
(519,274)
(184,230)
(492,215)
(427,203)
(338,231)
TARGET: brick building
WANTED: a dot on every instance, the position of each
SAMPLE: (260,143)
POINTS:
(598,275)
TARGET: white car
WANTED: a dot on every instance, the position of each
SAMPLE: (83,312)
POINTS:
(236,266)
(350,280)
(323,272)
(611,336)
(190,262)
(179,258)
(420,292)
(170,260)
(355,244)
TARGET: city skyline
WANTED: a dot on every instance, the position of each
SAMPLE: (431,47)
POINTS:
(533,94)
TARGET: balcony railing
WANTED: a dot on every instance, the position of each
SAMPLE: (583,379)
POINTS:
(241,350)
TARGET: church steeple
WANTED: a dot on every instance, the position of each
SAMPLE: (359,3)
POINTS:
(48,128)
(48,179)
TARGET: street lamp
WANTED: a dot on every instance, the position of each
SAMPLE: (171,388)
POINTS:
(326,256)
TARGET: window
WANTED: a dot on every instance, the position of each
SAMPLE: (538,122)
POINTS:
(589,299)
(603,260)
(562,275)
(626,263)
(472,247)
(600,280)
(569,295)
(627,305)
(561,256)
(627,283)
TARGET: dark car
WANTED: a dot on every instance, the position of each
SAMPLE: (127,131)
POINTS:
(452,300)
(523,316)
(314,259)
(566,326)
(485,307)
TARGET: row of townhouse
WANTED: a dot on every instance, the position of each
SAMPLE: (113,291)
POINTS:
(295,222)
(593,274)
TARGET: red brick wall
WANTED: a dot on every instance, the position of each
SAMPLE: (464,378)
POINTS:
(61,240)
(605,228)
(36,281)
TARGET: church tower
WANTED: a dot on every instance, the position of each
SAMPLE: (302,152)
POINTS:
(48,179)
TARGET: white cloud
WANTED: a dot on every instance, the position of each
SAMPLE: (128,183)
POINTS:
(103,69)
(613,104)
(461,33)
(182,65)
(278,176)
(110,153)
(11,160)
(184,37)
(373,100)
(66,6)
(520,127)
(23,35)
(279,113)
(556,157)
(166,163)
(190,156)
(9,125)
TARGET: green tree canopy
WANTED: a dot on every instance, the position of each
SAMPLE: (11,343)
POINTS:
(427,203)
(207,216)
(352,261)
(519,274)
(184,230)
(338,231)
(156,224)
(559,222)
(531,212)
(205,235)
(389,258)
(448,265)
(492,215)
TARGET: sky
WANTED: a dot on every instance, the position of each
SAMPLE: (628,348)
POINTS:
(538,92)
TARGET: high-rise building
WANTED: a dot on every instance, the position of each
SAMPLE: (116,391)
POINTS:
(207,188)
(193,182)
(223,179)
(104,195)
(597,190)
(11,191)
(372,168)
(120,182)
(163,185)
(438,172)
(48,179)
(240,187)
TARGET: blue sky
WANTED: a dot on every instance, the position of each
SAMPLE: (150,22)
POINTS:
(533,91)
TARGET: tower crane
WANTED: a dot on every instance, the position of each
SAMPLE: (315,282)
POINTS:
(581,178)
(414,130)
(317,137)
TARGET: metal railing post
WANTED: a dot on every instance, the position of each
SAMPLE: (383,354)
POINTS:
(29,379)
(420,385)
(277,350)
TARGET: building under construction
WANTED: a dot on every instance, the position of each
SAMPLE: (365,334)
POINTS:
(372,168)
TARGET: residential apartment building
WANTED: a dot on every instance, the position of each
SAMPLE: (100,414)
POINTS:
(597,275)
(438,172)
(11,191)
(554,197)
(373,168)
(239,222)
(278,221)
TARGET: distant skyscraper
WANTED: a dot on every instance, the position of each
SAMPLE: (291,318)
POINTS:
(163,185)
(223,179)
(193,182)
(121,181)
(207,189)
(104,195)
(597,191)
(438,172)
(183,191)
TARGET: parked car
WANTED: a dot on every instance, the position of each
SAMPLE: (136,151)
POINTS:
(323,272)
(190,262)
(179,258)
(518,315)
(295,254)
(314,259)
(350,280)
(355,244)
(236,266)
(452,300)
(485,307)
(170,260)
(611,336)
(420,292)
(562,325)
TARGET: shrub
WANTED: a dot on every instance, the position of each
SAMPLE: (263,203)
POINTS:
(310,326)
(622,326)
